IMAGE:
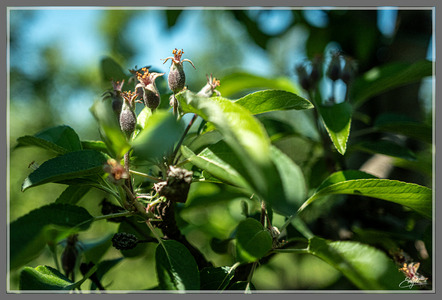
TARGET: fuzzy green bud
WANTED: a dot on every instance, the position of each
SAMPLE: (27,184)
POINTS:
(148,89)
(128,118)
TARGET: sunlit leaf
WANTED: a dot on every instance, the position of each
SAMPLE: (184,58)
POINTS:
(414,196)
(337,121)
(366,267)
(43,278)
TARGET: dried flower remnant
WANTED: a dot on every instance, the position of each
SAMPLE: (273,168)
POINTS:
(117,173)
(210,87)
(147,88)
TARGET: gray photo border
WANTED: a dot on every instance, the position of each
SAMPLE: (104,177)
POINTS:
(220,4)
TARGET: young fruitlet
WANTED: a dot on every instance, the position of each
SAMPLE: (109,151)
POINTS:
(128,119)
(210,87)
(115,95)
(177,78)
(147,88)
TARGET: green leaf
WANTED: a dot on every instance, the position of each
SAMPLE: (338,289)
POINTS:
(103,267)
(273,100)
(43,278)
(366,267)
(386,147)
(110,130)
(252,240)
(142,121)
(292,183)
(204,140)
(337,122)
(241,131)
(30,233)
(176,268)
(384,78)
(95,145)
(60,139)
(68,166)
(72,194)
(210,162)
(111,70)
(203,194)
(401,124)
(235,83)
(158,138)
(216,278)
(416,197)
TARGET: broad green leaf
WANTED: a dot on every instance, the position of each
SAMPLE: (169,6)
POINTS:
(413,196)
(403,125)
(158,138)
(176,268)
(60,139)
(386,147)
(210,162)
(142,119)
(216,278)
(273,100)
(292,183)
(110,130)
(337,121)
(241,131)
(366,267)
(68,166)
(43,278)
(204,140)
(235,83)
(111,70)
(30,233)
(384,78)
(72,194)
(252,240)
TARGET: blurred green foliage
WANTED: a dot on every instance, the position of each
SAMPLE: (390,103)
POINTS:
(41,98)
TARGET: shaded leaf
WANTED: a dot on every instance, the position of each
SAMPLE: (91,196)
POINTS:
(337,122)
(111,70)
(401,124)
(416,197)
(30,233)
(207,193)
(95,145)
(386,147)
(252,240)
(384,78)
(94,250)
(72,194)
(68,166)
(365,266)
(176,268)
(216,278)
(104,267)
(60,139)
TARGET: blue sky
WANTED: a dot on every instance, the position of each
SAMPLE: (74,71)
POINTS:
(76,32)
